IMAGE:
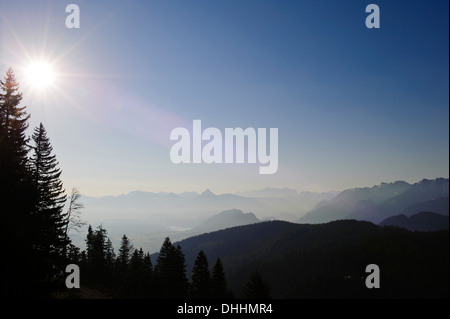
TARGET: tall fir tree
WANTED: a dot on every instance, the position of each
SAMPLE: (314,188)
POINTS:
(110,256)
(138,275)
(17,195)
(92,258)
(125,252)
(122,264)
(219,282)
(148,278)
(201,278)
(13,124)
(50,238)
(99,253)
(148,262)
(170,271)
(180,281)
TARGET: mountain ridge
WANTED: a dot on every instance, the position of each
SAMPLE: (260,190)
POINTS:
(378,202)
(331,257)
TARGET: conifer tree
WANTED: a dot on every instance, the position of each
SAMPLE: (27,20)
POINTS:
(50,239)
(201,278)
(181,283)
(90,240)
(137,277)
(73,254)
(14,175)
(219,282)
(137,262)
(98,248)
(124,256)
(13,124)
(170,271)
(16,190)
(110,258)
(148,262)
(148,280)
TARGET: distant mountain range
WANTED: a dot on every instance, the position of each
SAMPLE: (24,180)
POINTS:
(191,208)
(379,202)
(147,218)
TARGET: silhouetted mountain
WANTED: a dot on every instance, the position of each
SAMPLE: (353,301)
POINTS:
(423,221)
(226,219)
(328,260)
(378,202)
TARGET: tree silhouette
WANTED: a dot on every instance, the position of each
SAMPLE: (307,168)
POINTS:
(219,282)
(110,258)
(123,259)
(50,237)
(140,280)
(73,255)
(99,251)
(201,278)
(13,124)
(148,278)
(170,271)
(17,194)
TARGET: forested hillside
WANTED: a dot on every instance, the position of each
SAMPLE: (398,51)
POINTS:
(329,260)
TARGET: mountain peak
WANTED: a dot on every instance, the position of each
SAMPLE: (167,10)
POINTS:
(207,193)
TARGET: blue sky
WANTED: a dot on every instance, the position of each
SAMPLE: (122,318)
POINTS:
(353,106)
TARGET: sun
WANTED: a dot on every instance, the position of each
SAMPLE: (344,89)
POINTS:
(40,75)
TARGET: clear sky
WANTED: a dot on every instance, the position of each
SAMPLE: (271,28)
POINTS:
(354,106)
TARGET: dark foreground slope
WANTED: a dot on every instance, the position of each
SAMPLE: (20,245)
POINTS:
(329,260)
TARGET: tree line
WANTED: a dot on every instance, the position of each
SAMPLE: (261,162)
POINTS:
(131,273)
